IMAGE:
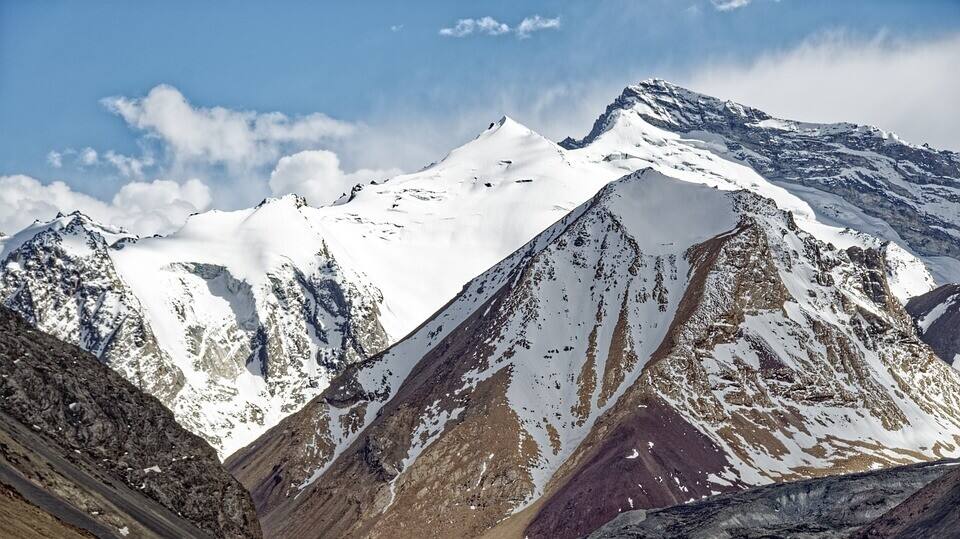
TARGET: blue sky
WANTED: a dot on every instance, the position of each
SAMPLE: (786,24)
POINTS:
(404,93)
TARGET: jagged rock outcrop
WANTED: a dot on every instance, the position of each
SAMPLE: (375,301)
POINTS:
(932,511)
(663,342)
(937,314)
(834,507)
(82,443)
(59,277)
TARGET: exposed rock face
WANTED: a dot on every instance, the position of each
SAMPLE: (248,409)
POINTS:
(854,175)
(87,446)
(62,280)
(229,354)
(933,511)
(664,342)
(832,507)
(937,314)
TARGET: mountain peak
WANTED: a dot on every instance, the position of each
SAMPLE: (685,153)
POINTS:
(298,201)
(504,137)
(506,126)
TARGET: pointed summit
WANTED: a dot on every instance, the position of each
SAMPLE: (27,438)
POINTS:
(506,126)
(667,106)
(298,201)
(504,139)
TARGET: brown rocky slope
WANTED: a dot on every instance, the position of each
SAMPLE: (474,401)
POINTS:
(83,444)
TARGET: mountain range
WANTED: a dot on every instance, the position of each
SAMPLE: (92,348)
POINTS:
(527,337)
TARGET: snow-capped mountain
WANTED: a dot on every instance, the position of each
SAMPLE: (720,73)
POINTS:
(233,322)
(662,342)
(853,175)
(241,317)
(59,276)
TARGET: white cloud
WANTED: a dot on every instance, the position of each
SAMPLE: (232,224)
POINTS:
(55,159)
(238,139)
(492,27)
(905,87)
(88,156)
(396,27)
(159,206)
(483,25)
(727,5)
(536,23)
(127,166)
(316,175)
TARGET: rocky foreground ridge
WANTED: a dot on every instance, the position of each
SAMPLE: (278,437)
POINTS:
(80,443)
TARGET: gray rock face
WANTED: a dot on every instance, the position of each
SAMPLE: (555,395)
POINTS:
(840,169)
(75,429)
(830,507)
(937,314)
(62,280)
(932,511)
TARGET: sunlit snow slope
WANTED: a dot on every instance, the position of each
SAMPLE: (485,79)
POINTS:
(662,342)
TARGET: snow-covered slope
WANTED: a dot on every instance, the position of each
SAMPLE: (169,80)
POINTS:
(662,342)
(420,237)
(254,310)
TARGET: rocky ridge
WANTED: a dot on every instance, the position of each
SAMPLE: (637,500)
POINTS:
(832,507)
(84,444)
(227,356)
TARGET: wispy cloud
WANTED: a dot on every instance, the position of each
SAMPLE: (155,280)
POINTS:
(483,25)
(88,157)
(536,23)
(85,158)
(128,166)
(55,159)
(396,27)
(727,5)
(492,27)
(237,139)
(902,86)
